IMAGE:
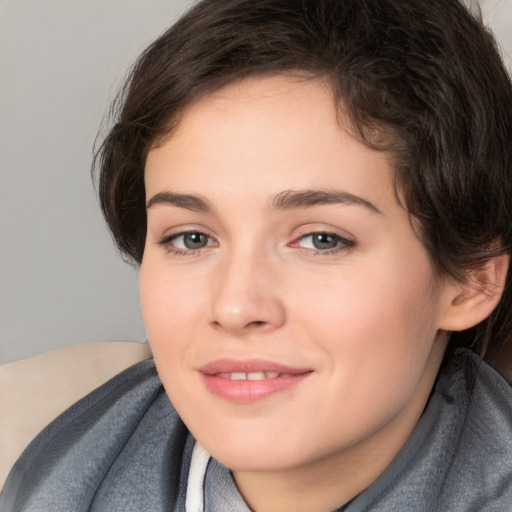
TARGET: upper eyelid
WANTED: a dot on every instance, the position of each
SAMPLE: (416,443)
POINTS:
(330,233)
(347,242)
(310,229)
(167,239)
(183,230)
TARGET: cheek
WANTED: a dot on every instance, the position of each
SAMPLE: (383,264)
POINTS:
(375,324)
(377,342)
(170,310)
(169,306)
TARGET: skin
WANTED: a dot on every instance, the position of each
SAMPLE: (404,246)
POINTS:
(364,316)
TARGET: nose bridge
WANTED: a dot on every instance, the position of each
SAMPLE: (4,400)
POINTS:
(247,292)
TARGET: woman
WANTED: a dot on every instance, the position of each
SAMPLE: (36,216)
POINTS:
(318,194)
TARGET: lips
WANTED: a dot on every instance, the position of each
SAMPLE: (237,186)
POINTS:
(249,381)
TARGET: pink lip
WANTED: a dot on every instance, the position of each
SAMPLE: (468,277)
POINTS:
(250,391)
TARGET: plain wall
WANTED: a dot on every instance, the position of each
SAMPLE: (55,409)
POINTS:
(61,61)
(497,15)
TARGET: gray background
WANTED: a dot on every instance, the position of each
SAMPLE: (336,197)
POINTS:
(61,62)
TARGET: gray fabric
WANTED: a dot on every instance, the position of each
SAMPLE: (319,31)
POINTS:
(120,448)
(459,457)
(123,448)
(220,490)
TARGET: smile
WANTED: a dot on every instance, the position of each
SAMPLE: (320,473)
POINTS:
(246,382)
(252,375)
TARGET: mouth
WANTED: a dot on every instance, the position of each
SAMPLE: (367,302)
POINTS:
(253,375)
(246,382)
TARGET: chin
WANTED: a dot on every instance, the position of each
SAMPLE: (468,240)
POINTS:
(253,460)
(256,451)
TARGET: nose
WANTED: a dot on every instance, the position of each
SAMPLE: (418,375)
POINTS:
(246,296)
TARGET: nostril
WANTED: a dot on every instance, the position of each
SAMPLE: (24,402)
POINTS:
(256,323)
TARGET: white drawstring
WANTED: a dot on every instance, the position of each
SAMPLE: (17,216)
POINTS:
(196,476)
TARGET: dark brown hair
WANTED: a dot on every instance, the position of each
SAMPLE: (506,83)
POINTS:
(421,79)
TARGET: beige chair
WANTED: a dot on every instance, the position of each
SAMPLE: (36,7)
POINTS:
(35,391)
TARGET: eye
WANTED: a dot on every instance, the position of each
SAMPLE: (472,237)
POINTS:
(187,241)
(324,242)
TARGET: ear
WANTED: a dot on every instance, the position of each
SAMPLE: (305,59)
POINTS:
(467,304)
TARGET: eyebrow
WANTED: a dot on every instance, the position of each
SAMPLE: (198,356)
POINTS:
(290,199)
(187,201)
(286,200)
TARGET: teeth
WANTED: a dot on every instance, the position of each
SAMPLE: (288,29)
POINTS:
(256,376)
(250,375)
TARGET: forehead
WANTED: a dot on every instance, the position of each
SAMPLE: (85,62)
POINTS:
(268,134)
(256,103)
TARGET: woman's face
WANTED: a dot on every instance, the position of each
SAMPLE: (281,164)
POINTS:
(292,313)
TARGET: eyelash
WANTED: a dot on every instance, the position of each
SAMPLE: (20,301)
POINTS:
(342,244)
(167,243)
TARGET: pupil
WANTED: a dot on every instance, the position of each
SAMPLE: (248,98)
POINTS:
(194,240)
(324,241)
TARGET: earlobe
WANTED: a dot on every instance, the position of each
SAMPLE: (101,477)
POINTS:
(467,304)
